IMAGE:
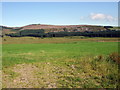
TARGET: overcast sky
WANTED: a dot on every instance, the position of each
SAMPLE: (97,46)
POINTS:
(59,13)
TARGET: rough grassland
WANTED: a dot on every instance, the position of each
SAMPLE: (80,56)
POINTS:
(30,40)
(81,63)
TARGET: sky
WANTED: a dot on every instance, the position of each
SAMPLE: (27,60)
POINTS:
(15,14)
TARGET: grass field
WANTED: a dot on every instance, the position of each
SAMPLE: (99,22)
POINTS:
(69,62)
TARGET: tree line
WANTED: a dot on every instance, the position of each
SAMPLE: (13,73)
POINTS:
(41,33)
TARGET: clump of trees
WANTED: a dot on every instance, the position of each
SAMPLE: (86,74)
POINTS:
(30,32)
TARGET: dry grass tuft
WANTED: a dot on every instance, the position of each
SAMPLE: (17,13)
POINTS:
(115,57)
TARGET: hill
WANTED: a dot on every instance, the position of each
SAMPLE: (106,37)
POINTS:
(51,28)
(44,28)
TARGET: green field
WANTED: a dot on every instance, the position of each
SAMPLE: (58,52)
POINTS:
(59,62)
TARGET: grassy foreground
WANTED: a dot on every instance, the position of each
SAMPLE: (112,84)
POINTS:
(75,64)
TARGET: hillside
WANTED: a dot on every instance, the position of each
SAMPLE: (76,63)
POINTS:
(52,28)
(44,26)
(67,30)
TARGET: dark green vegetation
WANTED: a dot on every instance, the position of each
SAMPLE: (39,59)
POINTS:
(40,33)
(80,63)
(35,33)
